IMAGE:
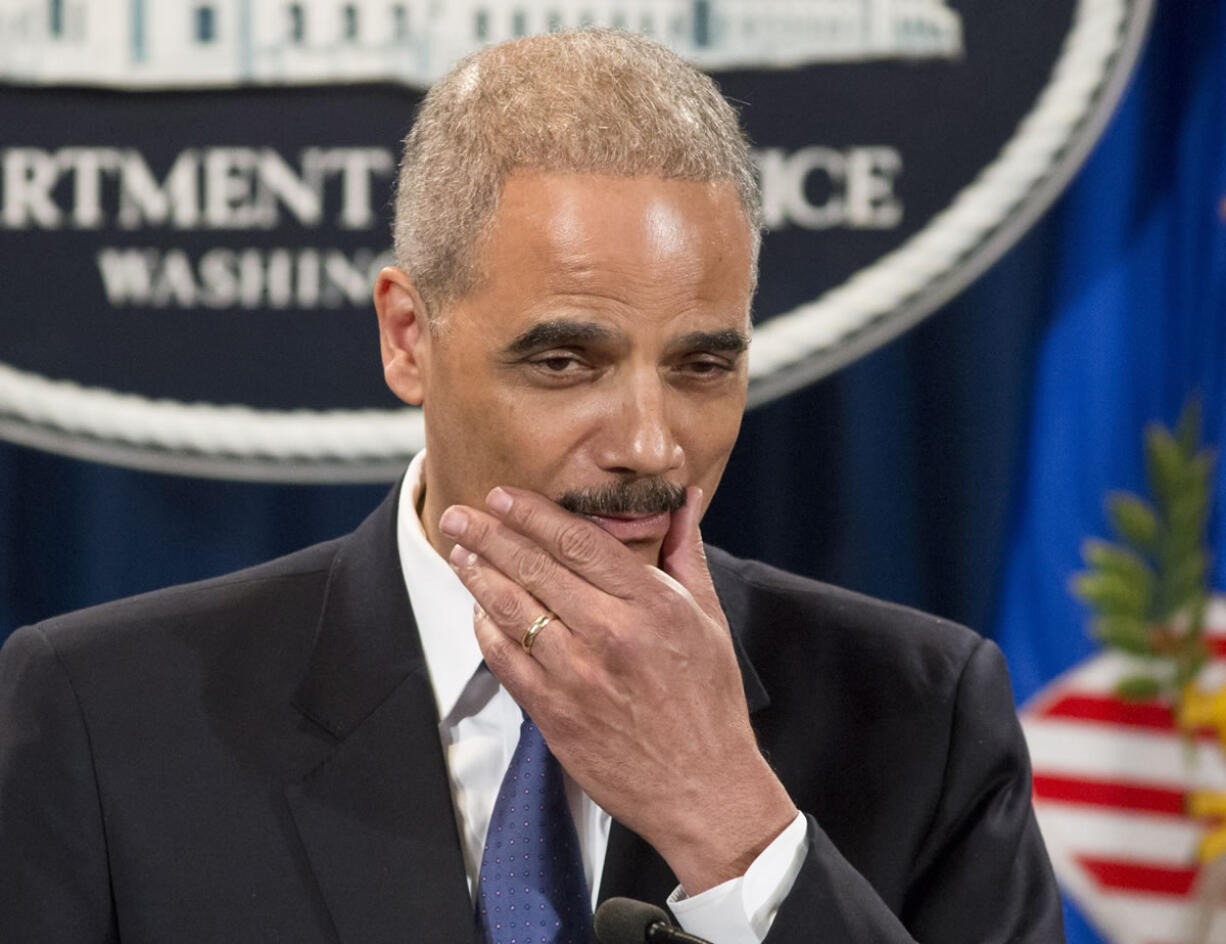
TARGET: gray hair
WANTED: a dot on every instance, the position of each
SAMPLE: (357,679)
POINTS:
(591,101)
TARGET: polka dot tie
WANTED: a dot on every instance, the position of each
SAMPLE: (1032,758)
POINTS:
(532,888)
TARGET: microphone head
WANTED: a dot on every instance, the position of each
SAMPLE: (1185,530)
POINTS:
(626,921)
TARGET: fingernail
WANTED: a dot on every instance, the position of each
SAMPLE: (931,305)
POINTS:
(499,501)
(454,522)
(461,557)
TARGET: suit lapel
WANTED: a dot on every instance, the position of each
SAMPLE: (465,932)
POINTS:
(632,868)
(738,610)
(376,817)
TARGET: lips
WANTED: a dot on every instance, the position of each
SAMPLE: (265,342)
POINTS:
(627,528)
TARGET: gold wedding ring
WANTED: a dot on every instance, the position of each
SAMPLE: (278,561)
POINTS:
(535,630)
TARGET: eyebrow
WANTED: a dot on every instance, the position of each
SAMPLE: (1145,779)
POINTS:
(560,332)
(728,341)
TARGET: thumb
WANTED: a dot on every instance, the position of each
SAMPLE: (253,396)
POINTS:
(682,556)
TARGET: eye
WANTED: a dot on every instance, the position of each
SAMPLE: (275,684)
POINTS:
(558,363)
(559,366)
(706,365)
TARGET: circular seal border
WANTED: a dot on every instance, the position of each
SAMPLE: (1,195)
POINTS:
(789,351)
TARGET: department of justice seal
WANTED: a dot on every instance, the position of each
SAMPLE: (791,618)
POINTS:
(192,215)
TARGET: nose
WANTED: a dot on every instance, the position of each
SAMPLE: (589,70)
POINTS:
(640,438)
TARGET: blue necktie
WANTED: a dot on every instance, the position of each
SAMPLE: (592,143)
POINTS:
(532,889)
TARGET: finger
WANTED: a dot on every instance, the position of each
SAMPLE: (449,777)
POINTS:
(519,673)
(522,561)
(577,544)
(683,557)
(507,607)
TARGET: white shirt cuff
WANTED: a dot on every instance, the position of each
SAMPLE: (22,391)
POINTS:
(741,910)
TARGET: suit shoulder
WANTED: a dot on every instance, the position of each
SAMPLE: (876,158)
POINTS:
(227,600)
(776,609)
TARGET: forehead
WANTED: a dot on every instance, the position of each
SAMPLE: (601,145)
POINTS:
(646,244)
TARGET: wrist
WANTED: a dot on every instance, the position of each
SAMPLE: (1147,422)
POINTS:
(723,835)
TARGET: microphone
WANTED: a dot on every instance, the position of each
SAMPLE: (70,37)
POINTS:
(628,921)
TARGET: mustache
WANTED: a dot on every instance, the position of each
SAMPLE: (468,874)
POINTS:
(637,497)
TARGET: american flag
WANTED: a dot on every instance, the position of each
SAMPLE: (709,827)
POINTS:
(1111,783)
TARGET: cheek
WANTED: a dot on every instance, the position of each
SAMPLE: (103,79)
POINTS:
(529,440)
(709,444)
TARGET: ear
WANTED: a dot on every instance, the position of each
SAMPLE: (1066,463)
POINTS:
(404,335)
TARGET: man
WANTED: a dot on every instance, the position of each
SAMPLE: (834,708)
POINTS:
(305,752)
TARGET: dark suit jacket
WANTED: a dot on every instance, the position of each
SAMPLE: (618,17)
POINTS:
(256,758)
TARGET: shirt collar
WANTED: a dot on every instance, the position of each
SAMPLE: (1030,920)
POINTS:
(442,605)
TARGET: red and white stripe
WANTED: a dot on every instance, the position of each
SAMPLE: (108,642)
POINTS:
(1111,780)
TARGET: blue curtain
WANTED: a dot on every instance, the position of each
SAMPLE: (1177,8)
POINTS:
(1139,325)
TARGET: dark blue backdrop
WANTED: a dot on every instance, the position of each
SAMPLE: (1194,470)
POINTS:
(940,471)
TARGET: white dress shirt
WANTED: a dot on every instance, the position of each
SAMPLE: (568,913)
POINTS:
(480,728)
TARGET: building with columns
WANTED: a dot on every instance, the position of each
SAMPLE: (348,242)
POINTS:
(191,43)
